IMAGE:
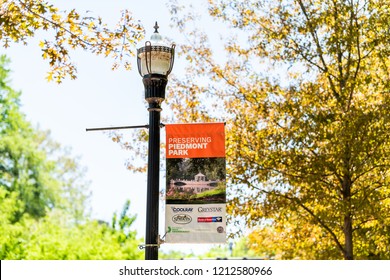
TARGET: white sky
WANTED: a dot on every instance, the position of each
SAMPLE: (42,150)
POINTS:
(99,97)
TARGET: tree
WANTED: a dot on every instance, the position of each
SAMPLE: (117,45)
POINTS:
(57,237)
(304,88)
(67,30)
(32,165)
(23,168)
(43,196)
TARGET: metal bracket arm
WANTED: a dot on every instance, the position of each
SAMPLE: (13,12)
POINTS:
(160,241)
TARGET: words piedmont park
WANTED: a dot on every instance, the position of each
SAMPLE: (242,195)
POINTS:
(303,87)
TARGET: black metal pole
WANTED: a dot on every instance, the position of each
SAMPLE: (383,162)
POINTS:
(154,95)
(153,184)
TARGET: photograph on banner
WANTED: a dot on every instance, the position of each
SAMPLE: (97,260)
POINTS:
(196,180)
(196,183)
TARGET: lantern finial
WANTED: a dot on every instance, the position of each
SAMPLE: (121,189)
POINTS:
(156,27)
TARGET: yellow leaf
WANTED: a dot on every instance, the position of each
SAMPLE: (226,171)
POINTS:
(56,17)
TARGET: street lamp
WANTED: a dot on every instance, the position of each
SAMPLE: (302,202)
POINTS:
(155,62)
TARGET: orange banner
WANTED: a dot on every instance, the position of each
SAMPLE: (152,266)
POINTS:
(195,208)
(199,140)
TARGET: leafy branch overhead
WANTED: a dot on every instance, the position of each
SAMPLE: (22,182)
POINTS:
(66,31)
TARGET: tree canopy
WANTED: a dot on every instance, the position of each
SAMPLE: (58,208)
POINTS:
(304,89)
(63,31)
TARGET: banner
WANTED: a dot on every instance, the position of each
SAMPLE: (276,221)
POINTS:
(196,183)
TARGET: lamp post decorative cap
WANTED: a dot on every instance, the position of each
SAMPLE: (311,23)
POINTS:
(156,27)
(156,37)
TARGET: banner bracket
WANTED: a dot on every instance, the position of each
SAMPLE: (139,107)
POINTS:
(121,127)
(160,241)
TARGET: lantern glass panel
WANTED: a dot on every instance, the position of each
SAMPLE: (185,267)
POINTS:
(158,59)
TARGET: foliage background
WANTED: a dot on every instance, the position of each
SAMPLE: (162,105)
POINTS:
(43,196)
(304,89)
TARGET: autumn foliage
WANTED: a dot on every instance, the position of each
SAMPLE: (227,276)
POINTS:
(304,89)
(64,31)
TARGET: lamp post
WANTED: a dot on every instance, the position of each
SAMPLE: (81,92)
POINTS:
(155,62)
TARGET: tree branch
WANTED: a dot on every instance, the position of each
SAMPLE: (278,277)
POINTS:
(310,212)
(319,50)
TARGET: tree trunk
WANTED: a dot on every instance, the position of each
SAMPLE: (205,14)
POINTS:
(348,252)
(347,228)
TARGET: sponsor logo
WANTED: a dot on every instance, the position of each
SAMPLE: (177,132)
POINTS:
(181,219)
(220,230)
(209,219)
(177,230)
(210,209)
(182,209)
